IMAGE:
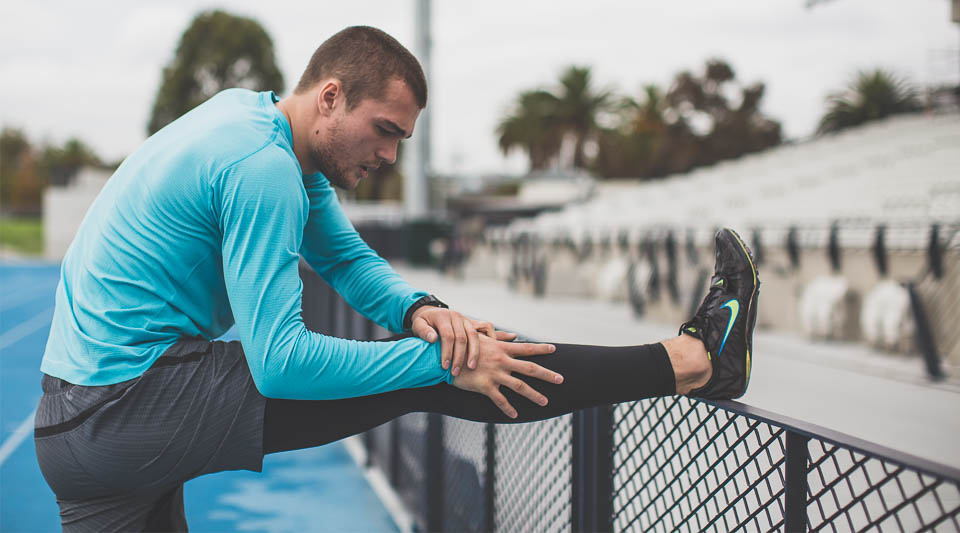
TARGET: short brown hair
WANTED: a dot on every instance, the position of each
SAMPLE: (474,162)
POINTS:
(365,60)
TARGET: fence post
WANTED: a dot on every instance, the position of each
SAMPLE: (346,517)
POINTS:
(925,338)
(395,455)
(795,504)
(490,492)
(434,472)
(592,490)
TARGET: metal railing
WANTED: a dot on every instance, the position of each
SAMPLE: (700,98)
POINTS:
(665,464)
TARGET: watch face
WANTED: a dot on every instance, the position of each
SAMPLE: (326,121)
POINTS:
(433,300)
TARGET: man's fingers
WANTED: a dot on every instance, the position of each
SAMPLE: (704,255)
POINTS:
(421,329)
(505,336)
(501,402)
(528,392)
(527,349)
(447,339)
(484,327)
(473,345)
(534,370)
(459,346)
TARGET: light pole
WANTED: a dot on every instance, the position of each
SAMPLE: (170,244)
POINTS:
(417,156)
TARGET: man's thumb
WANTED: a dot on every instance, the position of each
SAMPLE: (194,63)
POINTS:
(424,331)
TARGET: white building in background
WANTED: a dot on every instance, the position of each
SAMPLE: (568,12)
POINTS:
(64,208)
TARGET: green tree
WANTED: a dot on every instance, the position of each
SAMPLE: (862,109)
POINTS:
(632,147)
(703,118)
(217,51)
(26,170)
(541,120)
(15,155)
(533,127)
(700,120)
(579,106)
(13,147)
(61,163)
(870,96)
(724,115)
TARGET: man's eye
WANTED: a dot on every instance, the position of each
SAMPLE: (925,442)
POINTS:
(382,131)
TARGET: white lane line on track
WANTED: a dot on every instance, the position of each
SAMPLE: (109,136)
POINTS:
(25,328)
(17,437)
(378,482)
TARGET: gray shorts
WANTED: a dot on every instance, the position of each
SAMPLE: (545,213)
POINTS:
(117,456)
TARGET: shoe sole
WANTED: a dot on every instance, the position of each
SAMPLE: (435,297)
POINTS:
(751,308)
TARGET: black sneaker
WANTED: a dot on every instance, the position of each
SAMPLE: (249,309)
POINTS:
(725,319)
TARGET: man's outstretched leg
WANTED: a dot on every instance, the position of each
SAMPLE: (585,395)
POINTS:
(709,359)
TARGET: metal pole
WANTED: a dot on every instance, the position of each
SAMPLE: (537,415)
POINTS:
(490,481)
(417,154)
(592,470)
(925,339)
(434,472)
(795,504)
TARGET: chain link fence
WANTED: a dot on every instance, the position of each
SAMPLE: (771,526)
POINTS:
(665,464)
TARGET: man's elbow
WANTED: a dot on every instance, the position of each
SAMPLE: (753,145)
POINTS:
(270,387)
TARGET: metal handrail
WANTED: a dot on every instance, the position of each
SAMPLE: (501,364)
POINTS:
(594,498)
(870,449)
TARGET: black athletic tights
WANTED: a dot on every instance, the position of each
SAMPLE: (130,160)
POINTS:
(592,376)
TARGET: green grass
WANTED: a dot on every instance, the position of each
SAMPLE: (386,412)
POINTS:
(23,235)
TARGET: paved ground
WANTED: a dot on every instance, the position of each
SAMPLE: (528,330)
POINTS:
(877,397)
(310,490)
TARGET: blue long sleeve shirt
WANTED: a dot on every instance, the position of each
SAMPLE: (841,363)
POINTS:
(203,227)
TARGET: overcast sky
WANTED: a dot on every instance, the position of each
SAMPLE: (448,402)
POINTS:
(91,69)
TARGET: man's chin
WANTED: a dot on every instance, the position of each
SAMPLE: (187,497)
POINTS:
(343,182)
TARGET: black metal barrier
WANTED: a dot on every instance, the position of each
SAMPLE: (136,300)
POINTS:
(667,464)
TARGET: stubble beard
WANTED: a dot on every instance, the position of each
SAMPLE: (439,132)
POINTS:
(324,158)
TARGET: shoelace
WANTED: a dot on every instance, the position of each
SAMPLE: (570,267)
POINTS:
(713,300)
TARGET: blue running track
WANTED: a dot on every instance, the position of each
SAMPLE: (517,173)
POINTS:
(320,489)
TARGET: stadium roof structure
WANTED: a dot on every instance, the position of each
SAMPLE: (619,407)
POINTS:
(902,173)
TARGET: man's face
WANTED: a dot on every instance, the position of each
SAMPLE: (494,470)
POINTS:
(357,141)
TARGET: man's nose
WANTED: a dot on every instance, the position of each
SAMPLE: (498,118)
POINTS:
(388,153)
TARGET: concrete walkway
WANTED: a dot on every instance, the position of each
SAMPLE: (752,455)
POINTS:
(874,396)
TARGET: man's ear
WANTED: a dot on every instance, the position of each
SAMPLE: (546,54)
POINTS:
(329,96)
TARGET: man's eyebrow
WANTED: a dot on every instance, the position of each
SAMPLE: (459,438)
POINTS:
(396,129)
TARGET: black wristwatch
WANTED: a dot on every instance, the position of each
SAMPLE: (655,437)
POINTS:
(430,300)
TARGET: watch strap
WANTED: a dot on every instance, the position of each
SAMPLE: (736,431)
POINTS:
(428,300)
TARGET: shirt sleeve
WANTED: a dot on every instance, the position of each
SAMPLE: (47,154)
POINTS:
(262,210)
(336,252)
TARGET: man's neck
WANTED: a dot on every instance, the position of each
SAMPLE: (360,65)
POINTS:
(294,108)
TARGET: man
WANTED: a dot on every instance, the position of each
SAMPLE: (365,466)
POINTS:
(203,227)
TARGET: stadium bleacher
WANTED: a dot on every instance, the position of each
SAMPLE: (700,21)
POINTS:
(835,218)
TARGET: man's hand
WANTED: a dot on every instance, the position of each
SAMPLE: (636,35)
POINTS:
(495,368)
(459,335)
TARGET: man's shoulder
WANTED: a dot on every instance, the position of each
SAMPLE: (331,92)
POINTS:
(234,128)
(269,160)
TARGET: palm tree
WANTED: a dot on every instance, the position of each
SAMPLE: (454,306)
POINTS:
(632,147)
(542,120)
(872,95)
(578,107)
(533,127)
